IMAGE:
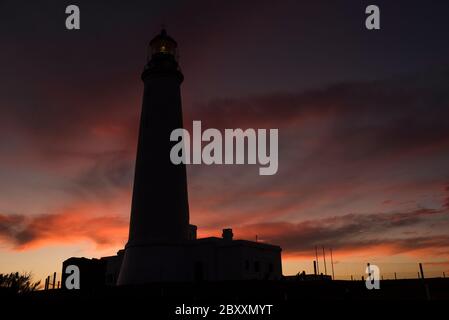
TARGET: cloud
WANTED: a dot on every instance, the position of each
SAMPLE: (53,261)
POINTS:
(396,113)
(352,232)
(110,173)
(24,232)
(343,148)
(349,233)
(346,147)
(446,204)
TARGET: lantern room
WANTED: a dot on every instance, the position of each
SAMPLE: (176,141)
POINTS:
(163,44)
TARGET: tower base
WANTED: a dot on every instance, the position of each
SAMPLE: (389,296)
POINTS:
(154,263)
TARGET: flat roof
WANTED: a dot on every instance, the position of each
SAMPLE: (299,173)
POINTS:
(231,243)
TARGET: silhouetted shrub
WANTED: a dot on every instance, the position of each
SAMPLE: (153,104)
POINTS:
(18,282)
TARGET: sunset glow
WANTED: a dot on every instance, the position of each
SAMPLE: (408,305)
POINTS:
(363,136)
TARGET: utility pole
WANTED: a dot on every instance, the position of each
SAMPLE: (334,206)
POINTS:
(324,257)
(332,264)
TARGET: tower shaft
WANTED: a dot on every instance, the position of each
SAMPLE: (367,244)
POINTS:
(159,211)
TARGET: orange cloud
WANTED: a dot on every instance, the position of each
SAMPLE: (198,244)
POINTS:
(381,233)
(25,232)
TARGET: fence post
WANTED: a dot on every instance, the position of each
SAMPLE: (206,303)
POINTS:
(421,270)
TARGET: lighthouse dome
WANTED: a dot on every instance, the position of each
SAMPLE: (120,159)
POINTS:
(163,44)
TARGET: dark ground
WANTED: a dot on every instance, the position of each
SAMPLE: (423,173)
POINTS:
(289,299)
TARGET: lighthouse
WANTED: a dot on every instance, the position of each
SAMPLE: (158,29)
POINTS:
(162,245)
(159,211)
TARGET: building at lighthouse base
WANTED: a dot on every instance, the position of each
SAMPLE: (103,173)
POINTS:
(195,260)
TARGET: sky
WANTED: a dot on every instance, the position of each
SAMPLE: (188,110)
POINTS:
(363,120)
